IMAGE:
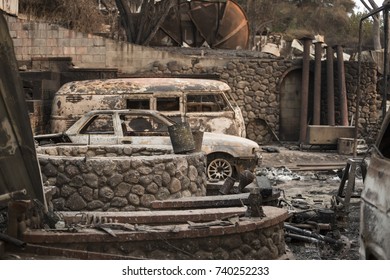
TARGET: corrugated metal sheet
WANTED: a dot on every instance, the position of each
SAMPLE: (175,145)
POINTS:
(19,168)
(10,6)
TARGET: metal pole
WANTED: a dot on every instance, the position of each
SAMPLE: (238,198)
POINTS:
(317,84)
(358,91)
(330,85)
(342,87)
(386,68)
(305,88)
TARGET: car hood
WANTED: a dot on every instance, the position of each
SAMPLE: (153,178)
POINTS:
(225,139)
(234,145)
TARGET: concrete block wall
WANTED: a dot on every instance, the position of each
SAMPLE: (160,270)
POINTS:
(40,39)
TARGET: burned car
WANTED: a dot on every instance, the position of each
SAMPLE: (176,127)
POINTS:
(205,104)
(227,155)
(375,200)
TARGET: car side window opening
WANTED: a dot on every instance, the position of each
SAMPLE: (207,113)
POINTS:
(168,104)
(142,126)
(100,124)
(205,103)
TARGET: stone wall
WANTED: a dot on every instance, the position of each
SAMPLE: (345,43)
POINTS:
(117,178)
(370,112)
(245,238)
(256,244)
(256,83)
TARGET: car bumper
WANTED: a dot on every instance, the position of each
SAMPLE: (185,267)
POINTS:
(250,164)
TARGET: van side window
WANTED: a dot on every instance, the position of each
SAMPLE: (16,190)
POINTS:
(205,103)
(384,146)
(100,124)
(138,104)
(168,104)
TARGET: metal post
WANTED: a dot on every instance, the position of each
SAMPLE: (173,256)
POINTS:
(386,59)
(305,88)
(330,86)
(317,84)
(342,87)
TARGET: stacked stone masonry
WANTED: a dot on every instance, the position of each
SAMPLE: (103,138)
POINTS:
(118,178)
(256,84)
(260,244)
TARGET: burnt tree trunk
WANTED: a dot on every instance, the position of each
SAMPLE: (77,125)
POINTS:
(142,26)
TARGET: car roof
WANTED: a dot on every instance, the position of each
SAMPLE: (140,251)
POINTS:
(124,111)
(141,85)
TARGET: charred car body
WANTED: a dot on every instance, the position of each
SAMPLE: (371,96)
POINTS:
(204,104)
(375,203)
(227,155)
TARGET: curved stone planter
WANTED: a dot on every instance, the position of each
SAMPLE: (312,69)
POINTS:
(108,183)
(119,178)
(247,238)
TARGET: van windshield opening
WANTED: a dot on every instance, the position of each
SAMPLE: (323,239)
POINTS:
(206,103)
(138,104)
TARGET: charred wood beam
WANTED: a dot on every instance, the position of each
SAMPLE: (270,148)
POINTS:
(342,86)
(317,84)
(152,217)
(330,85)
(202,202)
(305,89)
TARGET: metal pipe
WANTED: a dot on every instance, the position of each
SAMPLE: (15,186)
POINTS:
(305,88)
(311,234)
(303,238)
(342,87)
(317,84)
(330,86)
(386,58)
(12,240)
(12,195)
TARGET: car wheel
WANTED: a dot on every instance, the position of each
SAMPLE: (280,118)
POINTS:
(219,169)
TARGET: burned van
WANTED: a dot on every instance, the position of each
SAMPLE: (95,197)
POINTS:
(205,104)
(375,200)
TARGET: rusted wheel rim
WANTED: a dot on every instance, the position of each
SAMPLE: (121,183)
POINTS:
(219,169)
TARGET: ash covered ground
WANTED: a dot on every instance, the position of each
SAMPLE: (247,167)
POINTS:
(305,191)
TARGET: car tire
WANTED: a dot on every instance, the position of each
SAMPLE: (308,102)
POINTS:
(219,167)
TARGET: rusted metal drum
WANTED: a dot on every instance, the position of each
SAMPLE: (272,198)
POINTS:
(246,177)
(181,138)
(218,24)
(227,185)
(198,139)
